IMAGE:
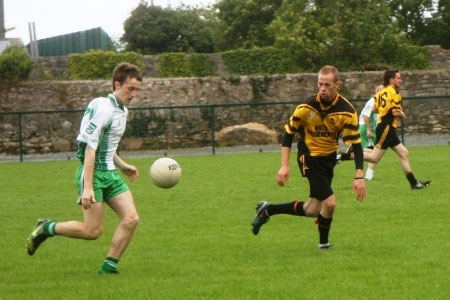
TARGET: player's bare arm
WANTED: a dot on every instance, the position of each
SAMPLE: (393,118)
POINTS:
(398,113)
(368,127)
(88,190)
(131,171)
(283,173)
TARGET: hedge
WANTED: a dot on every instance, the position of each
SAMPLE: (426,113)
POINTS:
(201,65)
(98,64)
(257,62)
(183,65)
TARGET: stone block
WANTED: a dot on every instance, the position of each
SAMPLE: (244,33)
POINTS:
(132,143)
(246,134)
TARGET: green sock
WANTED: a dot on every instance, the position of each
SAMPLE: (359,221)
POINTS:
(110,264)
(49,228)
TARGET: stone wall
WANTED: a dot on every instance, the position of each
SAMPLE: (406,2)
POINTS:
(439,58)
(182,127)
(55,68)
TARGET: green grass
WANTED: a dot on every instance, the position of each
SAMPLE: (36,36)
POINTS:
(194,241)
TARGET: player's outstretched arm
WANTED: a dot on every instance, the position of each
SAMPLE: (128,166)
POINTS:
(131,171)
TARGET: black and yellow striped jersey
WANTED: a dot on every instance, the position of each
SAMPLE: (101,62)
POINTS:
(320,126)
(387,101)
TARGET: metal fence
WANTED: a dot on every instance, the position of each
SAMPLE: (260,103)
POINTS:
(77,42)
(31,134)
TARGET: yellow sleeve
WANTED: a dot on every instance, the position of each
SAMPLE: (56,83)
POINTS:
(396,101)
(350,132)
(294,123)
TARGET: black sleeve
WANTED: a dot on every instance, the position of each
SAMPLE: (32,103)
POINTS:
(359,156)
(287,140)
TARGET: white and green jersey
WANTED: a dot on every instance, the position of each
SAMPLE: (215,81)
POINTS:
(102,127)
(367,111)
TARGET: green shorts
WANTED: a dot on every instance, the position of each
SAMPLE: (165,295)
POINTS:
(365,142)
(107,184)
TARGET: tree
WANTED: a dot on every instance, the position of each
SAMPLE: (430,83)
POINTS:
(411,15)
(244,22)
(351,34)
(153,30)
(437,29)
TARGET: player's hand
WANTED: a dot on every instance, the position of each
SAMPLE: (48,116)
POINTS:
(360,188)
(283,175)
(369,135)
(87,198)
(131,171)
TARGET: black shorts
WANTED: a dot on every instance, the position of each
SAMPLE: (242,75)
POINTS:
(386,136)
(319,171)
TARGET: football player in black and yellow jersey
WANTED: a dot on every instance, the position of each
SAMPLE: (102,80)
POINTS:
(388,103)
(318,122)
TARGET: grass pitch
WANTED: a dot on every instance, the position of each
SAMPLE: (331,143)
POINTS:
(194,241)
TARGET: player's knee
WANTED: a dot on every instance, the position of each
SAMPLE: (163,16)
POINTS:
(312,212)
(312,208)
(404,153)
(329,204)
(93,233)
(131,221)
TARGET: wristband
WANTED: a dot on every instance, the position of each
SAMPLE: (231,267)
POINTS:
(357,178)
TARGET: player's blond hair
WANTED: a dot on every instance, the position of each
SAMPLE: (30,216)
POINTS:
(330,69)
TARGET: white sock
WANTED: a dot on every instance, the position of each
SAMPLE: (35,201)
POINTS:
(369,173)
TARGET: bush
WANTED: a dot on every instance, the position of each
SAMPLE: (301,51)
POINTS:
(180,65)
(98,64)
(201,65)
(15,64)
(174,65)
(256,62)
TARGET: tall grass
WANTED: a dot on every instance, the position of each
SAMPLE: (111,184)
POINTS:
(194,241)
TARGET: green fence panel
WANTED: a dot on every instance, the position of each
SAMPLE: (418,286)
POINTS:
(77,42)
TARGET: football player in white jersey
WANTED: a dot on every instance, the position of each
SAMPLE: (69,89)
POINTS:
(367,126)
(98,182)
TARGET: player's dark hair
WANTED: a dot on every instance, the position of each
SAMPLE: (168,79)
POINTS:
(124,71)
(330,69)
(388,75)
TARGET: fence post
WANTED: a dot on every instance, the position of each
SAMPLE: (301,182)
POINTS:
(213,128)
(20,137)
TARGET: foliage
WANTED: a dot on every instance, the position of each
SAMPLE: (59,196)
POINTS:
(437,29)
(153,30)
(256,61)
(183,65)
(15,64)
(98,64)
(174,65)
(410,15)
(201,65)
(244,22)
(350,34)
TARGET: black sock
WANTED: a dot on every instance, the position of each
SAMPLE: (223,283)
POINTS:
(412,180)
(323,224)
(292,208)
